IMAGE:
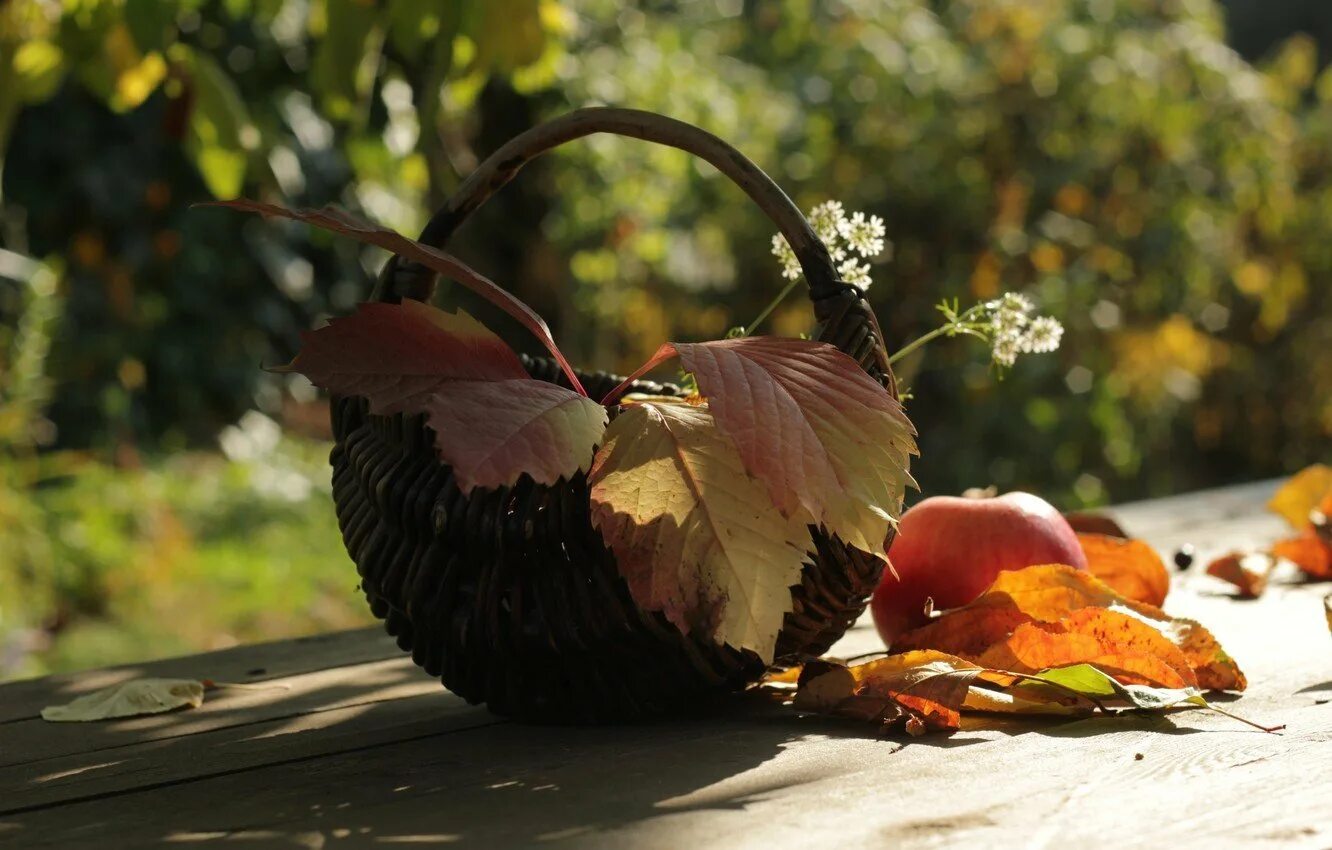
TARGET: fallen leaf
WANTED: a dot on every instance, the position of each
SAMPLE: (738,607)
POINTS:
(827,440)
(695,535)
(129,699)
(1131,567)
(1051,593)
(1123,645)
(1086,522)
(1247,571)
(1093,683)
(929,686)
(1301,494)
(345,224)
(1308,551)
(492,432)
(927,691)
(1327,610)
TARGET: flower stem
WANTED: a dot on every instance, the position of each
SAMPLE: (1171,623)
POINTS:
(772,305)
(918,342)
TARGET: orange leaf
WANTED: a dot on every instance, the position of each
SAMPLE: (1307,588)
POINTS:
(1248,571)
(1131,567)
(1049,594)
(1302,493)
(1088,522)
(1309,551)
(1123,646)
(931,686)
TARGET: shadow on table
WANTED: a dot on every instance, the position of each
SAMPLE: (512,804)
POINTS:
(428,770)
(422,768)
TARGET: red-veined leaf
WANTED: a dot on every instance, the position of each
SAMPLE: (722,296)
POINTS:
(824,437)
(343,223)
(391,353)
(491,432)
(694,535)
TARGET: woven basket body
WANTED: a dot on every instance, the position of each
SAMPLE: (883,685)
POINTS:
(510,595)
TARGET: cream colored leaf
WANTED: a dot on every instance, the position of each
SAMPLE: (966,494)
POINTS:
(129,699)
(695,536)
(824,437)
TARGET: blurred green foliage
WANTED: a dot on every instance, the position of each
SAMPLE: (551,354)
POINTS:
(1164,198)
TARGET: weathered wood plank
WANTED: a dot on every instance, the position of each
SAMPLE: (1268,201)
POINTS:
(236,749)
(253,663)
(750,777)
(28,741)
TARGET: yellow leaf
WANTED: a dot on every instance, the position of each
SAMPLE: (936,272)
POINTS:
(129,699)
(695,536)
(1301,494)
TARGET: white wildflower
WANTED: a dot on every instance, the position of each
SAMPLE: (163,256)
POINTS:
(856,274)
(847,240)
(1015,302)
(1043,335)
(827,219)
(781,249)
(1007,347)
(1006,322)
(863,235)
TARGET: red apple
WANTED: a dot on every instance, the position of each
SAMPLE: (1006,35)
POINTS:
(950,549)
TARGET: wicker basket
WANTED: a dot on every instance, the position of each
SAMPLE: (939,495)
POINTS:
(510,595)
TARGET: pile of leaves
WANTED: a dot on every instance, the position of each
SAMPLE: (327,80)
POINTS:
(709,503)
(1305,502)
(1045,640)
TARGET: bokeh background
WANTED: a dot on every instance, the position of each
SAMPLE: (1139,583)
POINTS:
(1155,173)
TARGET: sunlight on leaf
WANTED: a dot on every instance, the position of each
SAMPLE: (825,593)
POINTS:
(129,699)
(694,535)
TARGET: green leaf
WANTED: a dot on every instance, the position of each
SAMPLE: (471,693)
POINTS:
(337,72)
(219,123)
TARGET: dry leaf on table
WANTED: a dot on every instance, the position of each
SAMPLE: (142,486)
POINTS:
(129,699)
(1131,567)
(1054,593)
(1247,571)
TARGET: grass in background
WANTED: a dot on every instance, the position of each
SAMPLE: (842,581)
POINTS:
(186,553)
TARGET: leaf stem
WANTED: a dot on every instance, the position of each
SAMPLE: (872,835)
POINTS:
(1271,730)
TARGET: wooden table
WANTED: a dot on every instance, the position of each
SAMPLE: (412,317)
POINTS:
(353,746)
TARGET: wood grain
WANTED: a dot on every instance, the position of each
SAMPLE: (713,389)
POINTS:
(357,756)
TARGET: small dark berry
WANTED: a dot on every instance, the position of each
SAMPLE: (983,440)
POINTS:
(1184,556)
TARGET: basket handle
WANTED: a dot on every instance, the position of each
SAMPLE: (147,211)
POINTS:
(846,318)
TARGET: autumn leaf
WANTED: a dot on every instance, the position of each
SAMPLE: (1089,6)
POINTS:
(927,691)
(492,432)
(492,423)
(391,354)
(1126,647)
(129,699)
(1301,494)
(345,224)
(1309,551)
(929,686)
(1131,567)
(1088,522)
(1050,594)
(1247,571)
(694,534)
(825,439)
